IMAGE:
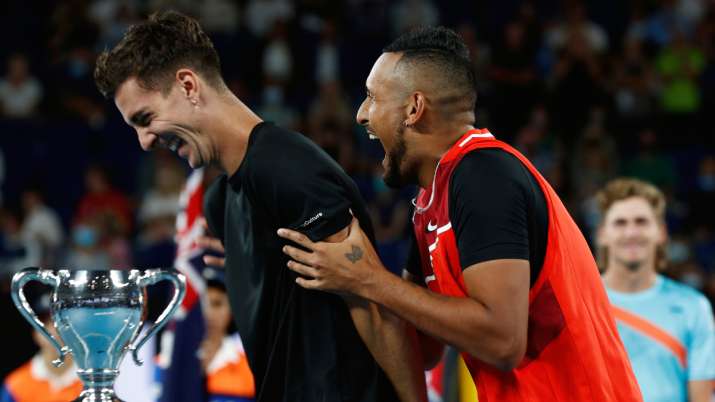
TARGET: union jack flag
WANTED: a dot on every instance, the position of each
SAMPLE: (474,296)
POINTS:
(179,373)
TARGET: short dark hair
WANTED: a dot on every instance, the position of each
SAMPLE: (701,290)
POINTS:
(153,50)
(441,48)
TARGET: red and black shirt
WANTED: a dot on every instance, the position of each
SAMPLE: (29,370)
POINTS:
(573,349)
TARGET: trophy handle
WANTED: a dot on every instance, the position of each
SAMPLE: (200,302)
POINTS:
(150,277)
(18,297)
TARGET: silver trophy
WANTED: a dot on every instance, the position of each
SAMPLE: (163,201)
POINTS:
(98,315)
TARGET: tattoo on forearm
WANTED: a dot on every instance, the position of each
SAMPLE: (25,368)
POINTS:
(355,255)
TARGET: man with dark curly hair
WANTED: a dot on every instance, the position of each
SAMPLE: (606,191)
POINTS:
(302,346)
(499,269)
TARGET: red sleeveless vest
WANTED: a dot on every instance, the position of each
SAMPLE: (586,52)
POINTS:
(573,352)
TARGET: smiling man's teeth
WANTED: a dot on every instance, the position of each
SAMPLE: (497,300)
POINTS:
(372,136)
(173,142)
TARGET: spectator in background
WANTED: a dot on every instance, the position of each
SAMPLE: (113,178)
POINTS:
(335,140)
(16,251)
(274,107)
(102,199)
(637,26)
(701,201)
(331,105)
(219,17)
(42,226)
(594,158)
(112,17)
(577,75)
(114,242)
(86,251)
(667,327)
(577,23)
(480,55)
(277,73)
(261,15)
(277,56)
(74,36)
(537,143)
(102,225)
(665,22)
(710,288)
(330,121)
(20,92)
(186,6)
(223,360)
(390,212)
(650,164)
(679,66)
(704,246)
(515,83)
(327,63)
(409,14)
(160,205)
(634,87)
(702,198)
(39,380)
(593,164)
(2,176)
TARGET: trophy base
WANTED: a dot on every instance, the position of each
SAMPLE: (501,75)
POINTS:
(98,395)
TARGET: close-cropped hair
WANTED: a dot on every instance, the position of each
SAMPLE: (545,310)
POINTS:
(442,49)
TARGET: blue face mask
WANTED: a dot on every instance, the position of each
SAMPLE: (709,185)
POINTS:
(84,236)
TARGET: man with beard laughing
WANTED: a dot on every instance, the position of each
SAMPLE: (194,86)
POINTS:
(302,346)
(499,269)
(667,327)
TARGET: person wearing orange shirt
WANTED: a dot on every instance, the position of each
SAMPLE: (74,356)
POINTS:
(39,380)
(499,269)
(223,360)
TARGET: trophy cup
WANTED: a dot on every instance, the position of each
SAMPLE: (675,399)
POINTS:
(98,315)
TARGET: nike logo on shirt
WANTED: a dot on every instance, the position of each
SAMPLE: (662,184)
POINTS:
(431,227)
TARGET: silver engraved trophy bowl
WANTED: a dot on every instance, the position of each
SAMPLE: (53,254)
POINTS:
(98,316)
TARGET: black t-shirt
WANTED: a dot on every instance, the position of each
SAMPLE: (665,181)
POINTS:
(497,210)
(302,345)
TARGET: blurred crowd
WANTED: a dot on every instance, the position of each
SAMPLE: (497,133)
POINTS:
(588,90)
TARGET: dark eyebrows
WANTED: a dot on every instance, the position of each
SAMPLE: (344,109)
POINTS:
(139,117)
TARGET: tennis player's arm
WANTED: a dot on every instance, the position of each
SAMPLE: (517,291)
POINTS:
(701,353)
(490,324)
(391,341)
(700,390)
(432,349)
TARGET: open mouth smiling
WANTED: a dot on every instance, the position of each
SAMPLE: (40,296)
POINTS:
(171,142)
